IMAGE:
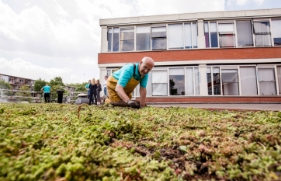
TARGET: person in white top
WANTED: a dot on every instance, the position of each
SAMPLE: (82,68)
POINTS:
(104,86)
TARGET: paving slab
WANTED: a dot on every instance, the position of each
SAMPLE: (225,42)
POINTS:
(250,107)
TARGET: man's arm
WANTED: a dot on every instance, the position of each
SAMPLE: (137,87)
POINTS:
(142,96)
(120,91)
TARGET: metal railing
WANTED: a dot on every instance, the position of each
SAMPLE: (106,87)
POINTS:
(10,95)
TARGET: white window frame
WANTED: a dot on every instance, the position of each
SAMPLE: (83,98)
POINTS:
(265,66)
(168,37)
(125,27)
(254,35)
(158,26)
(231,67)
(234,32)
(160,69)
(178,67)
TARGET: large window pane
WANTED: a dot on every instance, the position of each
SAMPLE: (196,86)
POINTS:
(159,44)
(189,81)
(276,32)
(159,83)
(248,81)
(109,39)
(206,34)
(188,35)
(127,39)
(216,80)
(267,81)
(262,33)
(115,47)
(213,34)
(209,81)
(194,35)
(175,36)
(227,40)
(176,78)
(159,89)
(197,80)
(226,27)
(230,84)
(226,34)
(244,33)
(279,78)
(143,38)
(158,32)
(158,36)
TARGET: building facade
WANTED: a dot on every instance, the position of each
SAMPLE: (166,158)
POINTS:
(213,57)
(17,82)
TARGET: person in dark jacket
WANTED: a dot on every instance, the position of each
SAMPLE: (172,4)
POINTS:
(99,89)
(93,92)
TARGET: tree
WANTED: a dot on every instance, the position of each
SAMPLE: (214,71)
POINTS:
(56,81)
(7,86)
(54,89)
(79,87)
(39,84)
(4,85)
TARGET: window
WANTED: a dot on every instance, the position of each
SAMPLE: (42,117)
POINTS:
(216,80)
(211,35)
(279,78)
(177,81)
(192,81)
(190,34)
(143,38)
(248,81)
(175,36)
(109,39)
(262,33)
(159,83)
(108,72)
(213,81)
(158,38)
(113,39)
(226,35)
(230,83)
(244,33)
(276,33)
(267,81)
(126,39)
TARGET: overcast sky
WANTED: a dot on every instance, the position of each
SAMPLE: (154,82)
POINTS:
(49,38)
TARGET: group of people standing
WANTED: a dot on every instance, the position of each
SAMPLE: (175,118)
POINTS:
(94,88)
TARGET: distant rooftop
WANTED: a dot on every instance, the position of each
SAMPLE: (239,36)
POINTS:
(191,16)
(15,76)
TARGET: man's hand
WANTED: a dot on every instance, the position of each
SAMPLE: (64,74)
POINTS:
(133,104)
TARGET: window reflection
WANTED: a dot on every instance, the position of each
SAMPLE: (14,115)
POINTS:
(143,38)
(230,84)
(177,85)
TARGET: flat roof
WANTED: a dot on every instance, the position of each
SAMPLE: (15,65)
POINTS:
(16,76)
(213,15)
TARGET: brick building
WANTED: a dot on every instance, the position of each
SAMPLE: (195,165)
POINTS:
(211,57)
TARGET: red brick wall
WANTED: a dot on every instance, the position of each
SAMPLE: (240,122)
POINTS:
(214,99)
(194,54)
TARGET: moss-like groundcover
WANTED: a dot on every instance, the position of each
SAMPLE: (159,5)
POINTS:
(70,142)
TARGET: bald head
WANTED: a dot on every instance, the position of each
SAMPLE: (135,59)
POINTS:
(148,60)
(146,65)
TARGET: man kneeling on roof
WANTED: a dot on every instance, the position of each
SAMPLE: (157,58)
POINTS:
(122,82)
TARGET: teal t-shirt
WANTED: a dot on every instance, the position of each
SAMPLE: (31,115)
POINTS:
(47,89)
(87,86)
(124,74)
